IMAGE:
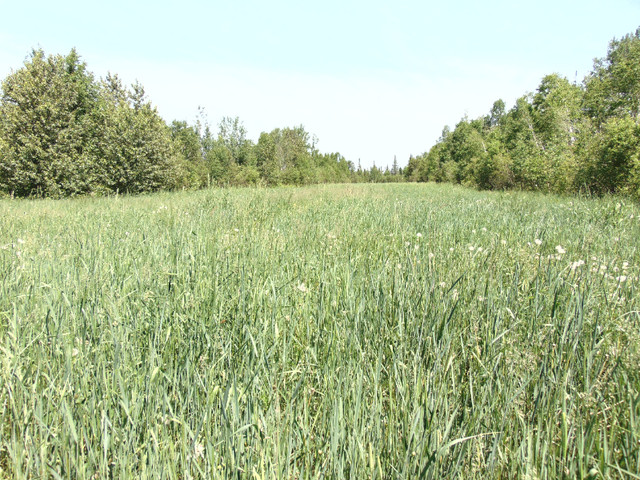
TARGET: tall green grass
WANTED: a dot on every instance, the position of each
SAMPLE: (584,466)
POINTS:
(350,331)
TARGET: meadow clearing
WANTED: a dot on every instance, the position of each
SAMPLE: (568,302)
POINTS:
(338,331)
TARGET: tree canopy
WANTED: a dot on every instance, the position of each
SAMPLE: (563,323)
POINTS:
(564,137)
(64,132)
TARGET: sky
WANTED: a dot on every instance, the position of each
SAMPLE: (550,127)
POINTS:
(372,79)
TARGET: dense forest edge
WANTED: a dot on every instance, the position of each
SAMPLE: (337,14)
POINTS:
(65,133)
(563,138)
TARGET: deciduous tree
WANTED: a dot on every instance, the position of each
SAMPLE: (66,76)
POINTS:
(47,129)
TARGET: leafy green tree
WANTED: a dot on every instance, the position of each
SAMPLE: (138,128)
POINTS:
(231,157)
(188,149)
(437,165)
(615,163)
(525,147)
(556,109)
(495,117)
(233,136)
(412,166)
(135,153)
(613,88)
(466,147)
(186,141)
(558,120)
(47,127)
(430,166)
(331,167)
(219,161)
(375,174)
(284,156)
(561,138)
(267,161)
(493,171)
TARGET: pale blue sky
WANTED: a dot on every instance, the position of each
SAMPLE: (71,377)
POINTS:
(371,79)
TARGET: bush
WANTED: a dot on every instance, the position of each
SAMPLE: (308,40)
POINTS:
(62,133)
(46,127)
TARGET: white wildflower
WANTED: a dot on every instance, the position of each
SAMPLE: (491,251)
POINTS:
(199,451)
(419,235)
(20,241)
(431,255)
(577,264)
(560,250)
(621,278)
(303,288)
(538,241)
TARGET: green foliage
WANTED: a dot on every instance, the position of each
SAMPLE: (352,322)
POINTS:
(63,133)
(231,157)
(563,138)
(284,156)
(613,88)
(495,117)
(331,167)
(135,154)
(556,112)
(466,147)
(189,152)
(233,137)
(46,127)
(616,155)
(411,170)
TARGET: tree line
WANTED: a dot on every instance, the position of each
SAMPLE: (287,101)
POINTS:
(564,137)
(63,133)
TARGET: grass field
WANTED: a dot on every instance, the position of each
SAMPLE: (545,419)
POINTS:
(345,331)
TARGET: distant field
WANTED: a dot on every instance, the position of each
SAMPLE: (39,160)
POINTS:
(344,331)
